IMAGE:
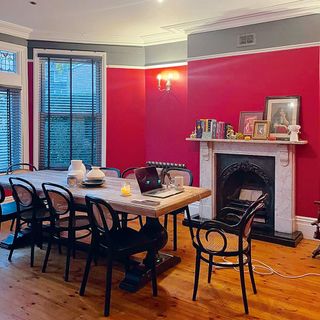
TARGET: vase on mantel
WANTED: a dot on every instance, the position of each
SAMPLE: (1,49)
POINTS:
(77,169)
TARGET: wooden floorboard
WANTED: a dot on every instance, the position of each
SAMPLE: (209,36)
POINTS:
(28,294)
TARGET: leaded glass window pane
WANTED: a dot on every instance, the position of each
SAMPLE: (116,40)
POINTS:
(8,61)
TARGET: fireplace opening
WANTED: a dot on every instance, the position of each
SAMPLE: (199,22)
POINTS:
(241,180)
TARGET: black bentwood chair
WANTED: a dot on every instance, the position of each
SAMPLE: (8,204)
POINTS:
(115,242)
(111,172)
(63,219)
(168,175)
(129,174)
(218,239)
(19,167)
(31,210)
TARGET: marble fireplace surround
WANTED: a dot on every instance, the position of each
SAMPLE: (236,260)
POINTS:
(284,155)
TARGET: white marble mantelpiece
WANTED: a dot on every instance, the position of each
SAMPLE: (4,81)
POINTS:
(284,155)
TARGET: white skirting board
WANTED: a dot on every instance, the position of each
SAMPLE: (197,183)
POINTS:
(303,223)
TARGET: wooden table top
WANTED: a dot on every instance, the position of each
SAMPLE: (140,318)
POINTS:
(110,192)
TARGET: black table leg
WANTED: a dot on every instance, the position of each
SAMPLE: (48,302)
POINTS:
(138,275)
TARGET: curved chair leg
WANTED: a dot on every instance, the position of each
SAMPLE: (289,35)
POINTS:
(16,232)
(12,224)
(69,251)
(251,275)
(210,267)
(33,241)
(86,271)
(196,276)
(175,232)
(108,287)
(45,262)
(243,284)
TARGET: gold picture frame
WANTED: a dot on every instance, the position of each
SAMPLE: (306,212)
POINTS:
(261,130)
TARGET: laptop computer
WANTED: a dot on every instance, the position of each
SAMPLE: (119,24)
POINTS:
(150,183)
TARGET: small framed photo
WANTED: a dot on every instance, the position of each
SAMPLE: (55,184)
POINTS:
(246,120)
(282,112)
(261,129)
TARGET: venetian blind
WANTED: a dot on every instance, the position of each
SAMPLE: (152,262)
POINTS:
(70,111)
(10,128)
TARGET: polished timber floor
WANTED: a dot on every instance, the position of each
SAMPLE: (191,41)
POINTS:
(26,293)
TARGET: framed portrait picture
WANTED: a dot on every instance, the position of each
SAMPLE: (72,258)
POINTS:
(282,112)
(261,129)
(246,120)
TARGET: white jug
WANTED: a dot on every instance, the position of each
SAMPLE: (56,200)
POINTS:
(77,169)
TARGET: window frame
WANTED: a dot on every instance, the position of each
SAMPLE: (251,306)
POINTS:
(19,80)
(36,102)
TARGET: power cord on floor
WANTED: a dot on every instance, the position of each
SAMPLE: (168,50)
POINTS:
(270,271)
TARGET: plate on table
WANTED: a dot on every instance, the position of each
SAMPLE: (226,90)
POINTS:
(92,183)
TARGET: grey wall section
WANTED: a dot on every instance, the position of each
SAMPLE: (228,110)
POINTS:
(279,33)
(166,53)
(12,39)
(116,55)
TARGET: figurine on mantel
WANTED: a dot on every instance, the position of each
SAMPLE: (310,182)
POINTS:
(294,130)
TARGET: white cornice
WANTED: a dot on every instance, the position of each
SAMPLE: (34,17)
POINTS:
(272,13)
(15,30)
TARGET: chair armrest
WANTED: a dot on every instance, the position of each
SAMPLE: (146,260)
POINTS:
(217,225)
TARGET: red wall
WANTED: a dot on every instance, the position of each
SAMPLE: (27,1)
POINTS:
(220,88)
(166,120)
(125,118)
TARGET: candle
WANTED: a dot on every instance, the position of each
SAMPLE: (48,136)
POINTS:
(126,189)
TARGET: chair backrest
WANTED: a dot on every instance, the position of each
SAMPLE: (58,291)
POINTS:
(129,173)
(111,172)
(103,219)
(246,221)
(170,173)
(60,201)
(2,194)
(24,194)
(21,166)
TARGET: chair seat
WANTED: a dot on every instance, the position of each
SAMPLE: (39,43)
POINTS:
(41,215)
(79,223)
(215,243)
(128,240)
(8,211)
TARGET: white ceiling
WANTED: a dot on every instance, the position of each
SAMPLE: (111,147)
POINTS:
(139,22)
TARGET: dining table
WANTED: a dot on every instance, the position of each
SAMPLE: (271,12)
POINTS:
(136,203)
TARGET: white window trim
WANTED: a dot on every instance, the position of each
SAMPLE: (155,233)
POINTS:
(36,106)
(19,80)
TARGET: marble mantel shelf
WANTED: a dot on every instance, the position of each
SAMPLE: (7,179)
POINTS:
(301,142)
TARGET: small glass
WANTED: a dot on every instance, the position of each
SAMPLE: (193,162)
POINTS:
(72,181)
(126,189)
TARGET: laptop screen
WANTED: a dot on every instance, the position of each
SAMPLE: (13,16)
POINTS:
(148,179)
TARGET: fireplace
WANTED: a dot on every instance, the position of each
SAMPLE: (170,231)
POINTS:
(241,179)
(251,167)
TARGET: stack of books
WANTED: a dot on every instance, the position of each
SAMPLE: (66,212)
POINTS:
(211,129)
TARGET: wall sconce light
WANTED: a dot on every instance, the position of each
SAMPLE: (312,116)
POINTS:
(165,82)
